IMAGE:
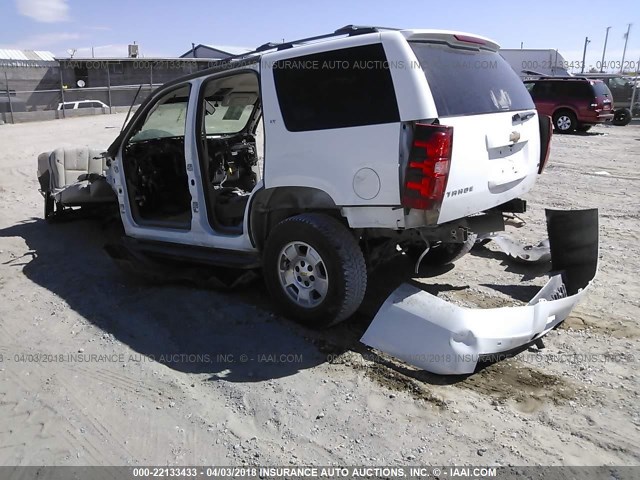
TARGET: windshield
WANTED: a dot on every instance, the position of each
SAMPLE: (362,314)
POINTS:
(470,82)
(618,82)
(229,119)
(228,103)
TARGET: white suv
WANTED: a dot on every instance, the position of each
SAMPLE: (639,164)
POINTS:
(81,104)
(316,159)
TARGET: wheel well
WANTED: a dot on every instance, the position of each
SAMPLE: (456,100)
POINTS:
(270,206)
(564,109)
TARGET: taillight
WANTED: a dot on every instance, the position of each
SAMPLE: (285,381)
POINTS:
(546,131)
(427,172)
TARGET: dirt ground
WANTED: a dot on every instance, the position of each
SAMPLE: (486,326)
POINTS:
(98,368)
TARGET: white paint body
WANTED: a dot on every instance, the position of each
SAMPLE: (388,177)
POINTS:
(359,168)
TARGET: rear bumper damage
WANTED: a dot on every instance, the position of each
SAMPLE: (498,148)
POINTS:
(435,335)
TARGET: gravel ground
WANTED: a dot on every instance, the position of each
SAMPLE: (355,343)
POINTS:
(101,368)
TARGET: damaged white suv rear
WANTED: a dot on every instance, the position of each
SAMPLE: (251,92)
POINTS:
(317,159)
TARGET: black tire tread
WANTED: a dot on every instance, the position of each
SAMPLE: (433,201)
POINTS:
(354,268)
(621,117)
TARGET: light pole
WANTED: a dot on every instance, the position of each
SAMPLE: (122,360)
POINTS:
(606,37)
(624,51)
(584,52)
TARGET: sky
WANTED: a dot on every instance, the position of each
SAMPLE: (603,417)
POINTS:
(165,28)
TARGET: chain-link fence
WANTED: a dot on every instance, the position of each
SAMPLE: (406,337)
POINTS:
(83,87)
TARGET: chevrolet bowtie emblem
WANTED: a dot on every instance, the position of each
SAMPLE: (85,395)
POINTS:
(514,137)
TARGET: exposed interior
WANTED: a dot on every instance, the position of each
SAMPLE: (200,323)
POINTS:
(229,150)
(154,155)
(154,163)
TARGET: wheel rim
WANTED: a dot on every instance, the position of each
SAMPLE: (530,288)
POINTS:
(563,122)
(302,274)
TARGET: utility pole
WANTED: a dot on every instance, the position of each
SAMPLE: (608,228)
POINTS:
(635,87)
(624,51)
(606,37)
(584,52)
(6,82)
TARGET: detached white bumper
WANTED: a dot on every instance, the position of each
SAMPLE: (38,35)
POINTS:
(440,337)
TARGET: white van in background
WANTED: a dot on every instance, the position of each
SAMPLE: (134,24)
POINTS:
(81,104)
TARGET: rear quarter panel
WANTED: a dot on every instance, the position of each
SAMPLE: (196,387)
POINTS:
(333,160)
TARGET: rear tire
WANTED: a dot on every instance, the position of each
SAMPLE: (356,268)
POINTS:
(564,121)
(621,117)
(314,269)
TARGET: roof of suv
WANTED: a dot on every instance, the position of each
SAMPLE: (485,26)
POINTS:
(567,80)
(573,81)
(449,37)
(411,34)
(598,75)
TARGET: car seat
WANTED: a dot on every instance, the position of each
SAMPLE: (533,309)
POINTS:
(75,176)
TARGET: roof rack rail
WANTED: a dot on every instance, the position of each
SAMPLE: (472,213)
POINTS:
(357,30)
(562,77)
(349,30)
(266,46)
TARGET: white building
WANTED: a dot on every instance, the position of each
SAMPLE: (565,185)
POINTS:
(534,62)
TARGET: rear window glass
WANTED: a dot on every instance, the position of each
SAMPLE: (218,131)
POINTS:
(601,89)
(341,88)
(562,89)
(470,82)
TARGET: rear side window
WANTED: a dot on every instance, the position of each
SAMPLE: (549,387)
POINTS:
(470,82)
(342,88)
(572,89)
(540,90)
(560,89)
